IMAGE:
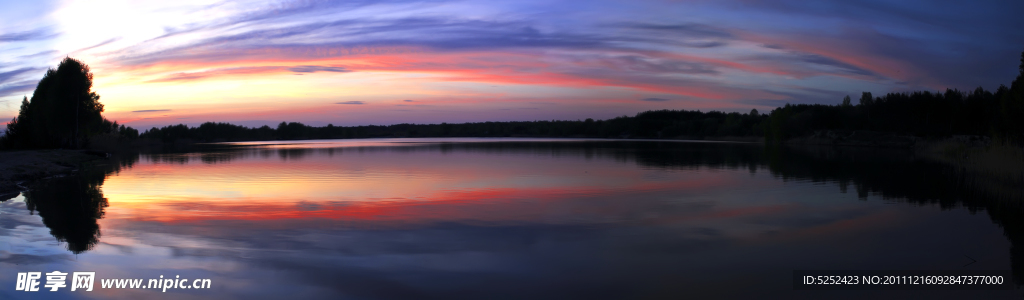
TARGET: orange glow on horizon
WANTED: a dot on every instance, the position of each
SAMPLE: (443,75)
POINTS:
(216,89)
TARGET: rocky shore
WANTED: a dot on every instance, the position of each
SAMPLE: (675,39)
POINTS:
(20,167)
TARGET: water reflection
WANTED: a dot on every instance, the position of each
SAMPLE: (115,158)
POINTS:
(598,219)
(898,175)
(71,205)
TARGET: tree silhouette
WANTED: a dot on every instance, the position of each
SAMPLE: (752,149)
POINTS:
(865,99)
(63,111)
(15,127)
(1012,106)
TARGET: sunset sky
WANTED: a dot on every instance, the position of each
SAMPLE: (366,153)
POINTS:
(358,62)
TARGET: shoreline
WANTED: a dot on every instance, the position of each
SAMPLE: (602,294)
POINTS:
(18,168)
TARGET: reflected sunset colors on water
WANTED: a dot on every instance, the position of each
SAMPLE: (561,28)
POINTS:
(493,218)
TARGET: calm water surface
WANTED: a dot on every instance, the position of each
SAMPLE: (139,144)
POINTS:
(503,219)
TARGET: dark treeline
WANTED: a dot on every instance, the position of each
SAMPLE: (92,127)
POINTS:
(999,115)
(651,124)
(922,114)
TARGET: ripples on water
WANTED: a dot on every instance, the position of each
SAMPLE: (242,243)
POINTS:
(504,218)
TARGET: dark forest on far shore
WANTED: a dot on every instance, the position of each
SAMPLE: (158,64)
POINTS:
(998,115)
(651,124)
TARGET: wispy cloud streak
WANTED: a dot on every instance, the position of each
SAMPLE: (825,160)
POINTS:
(313,69)
(31,35)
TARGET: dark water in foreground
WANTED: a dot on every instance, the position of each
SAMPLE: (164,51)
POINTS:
(505,219)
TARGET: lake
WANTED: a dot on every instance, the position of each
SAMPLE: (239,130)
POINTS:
(505,219)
